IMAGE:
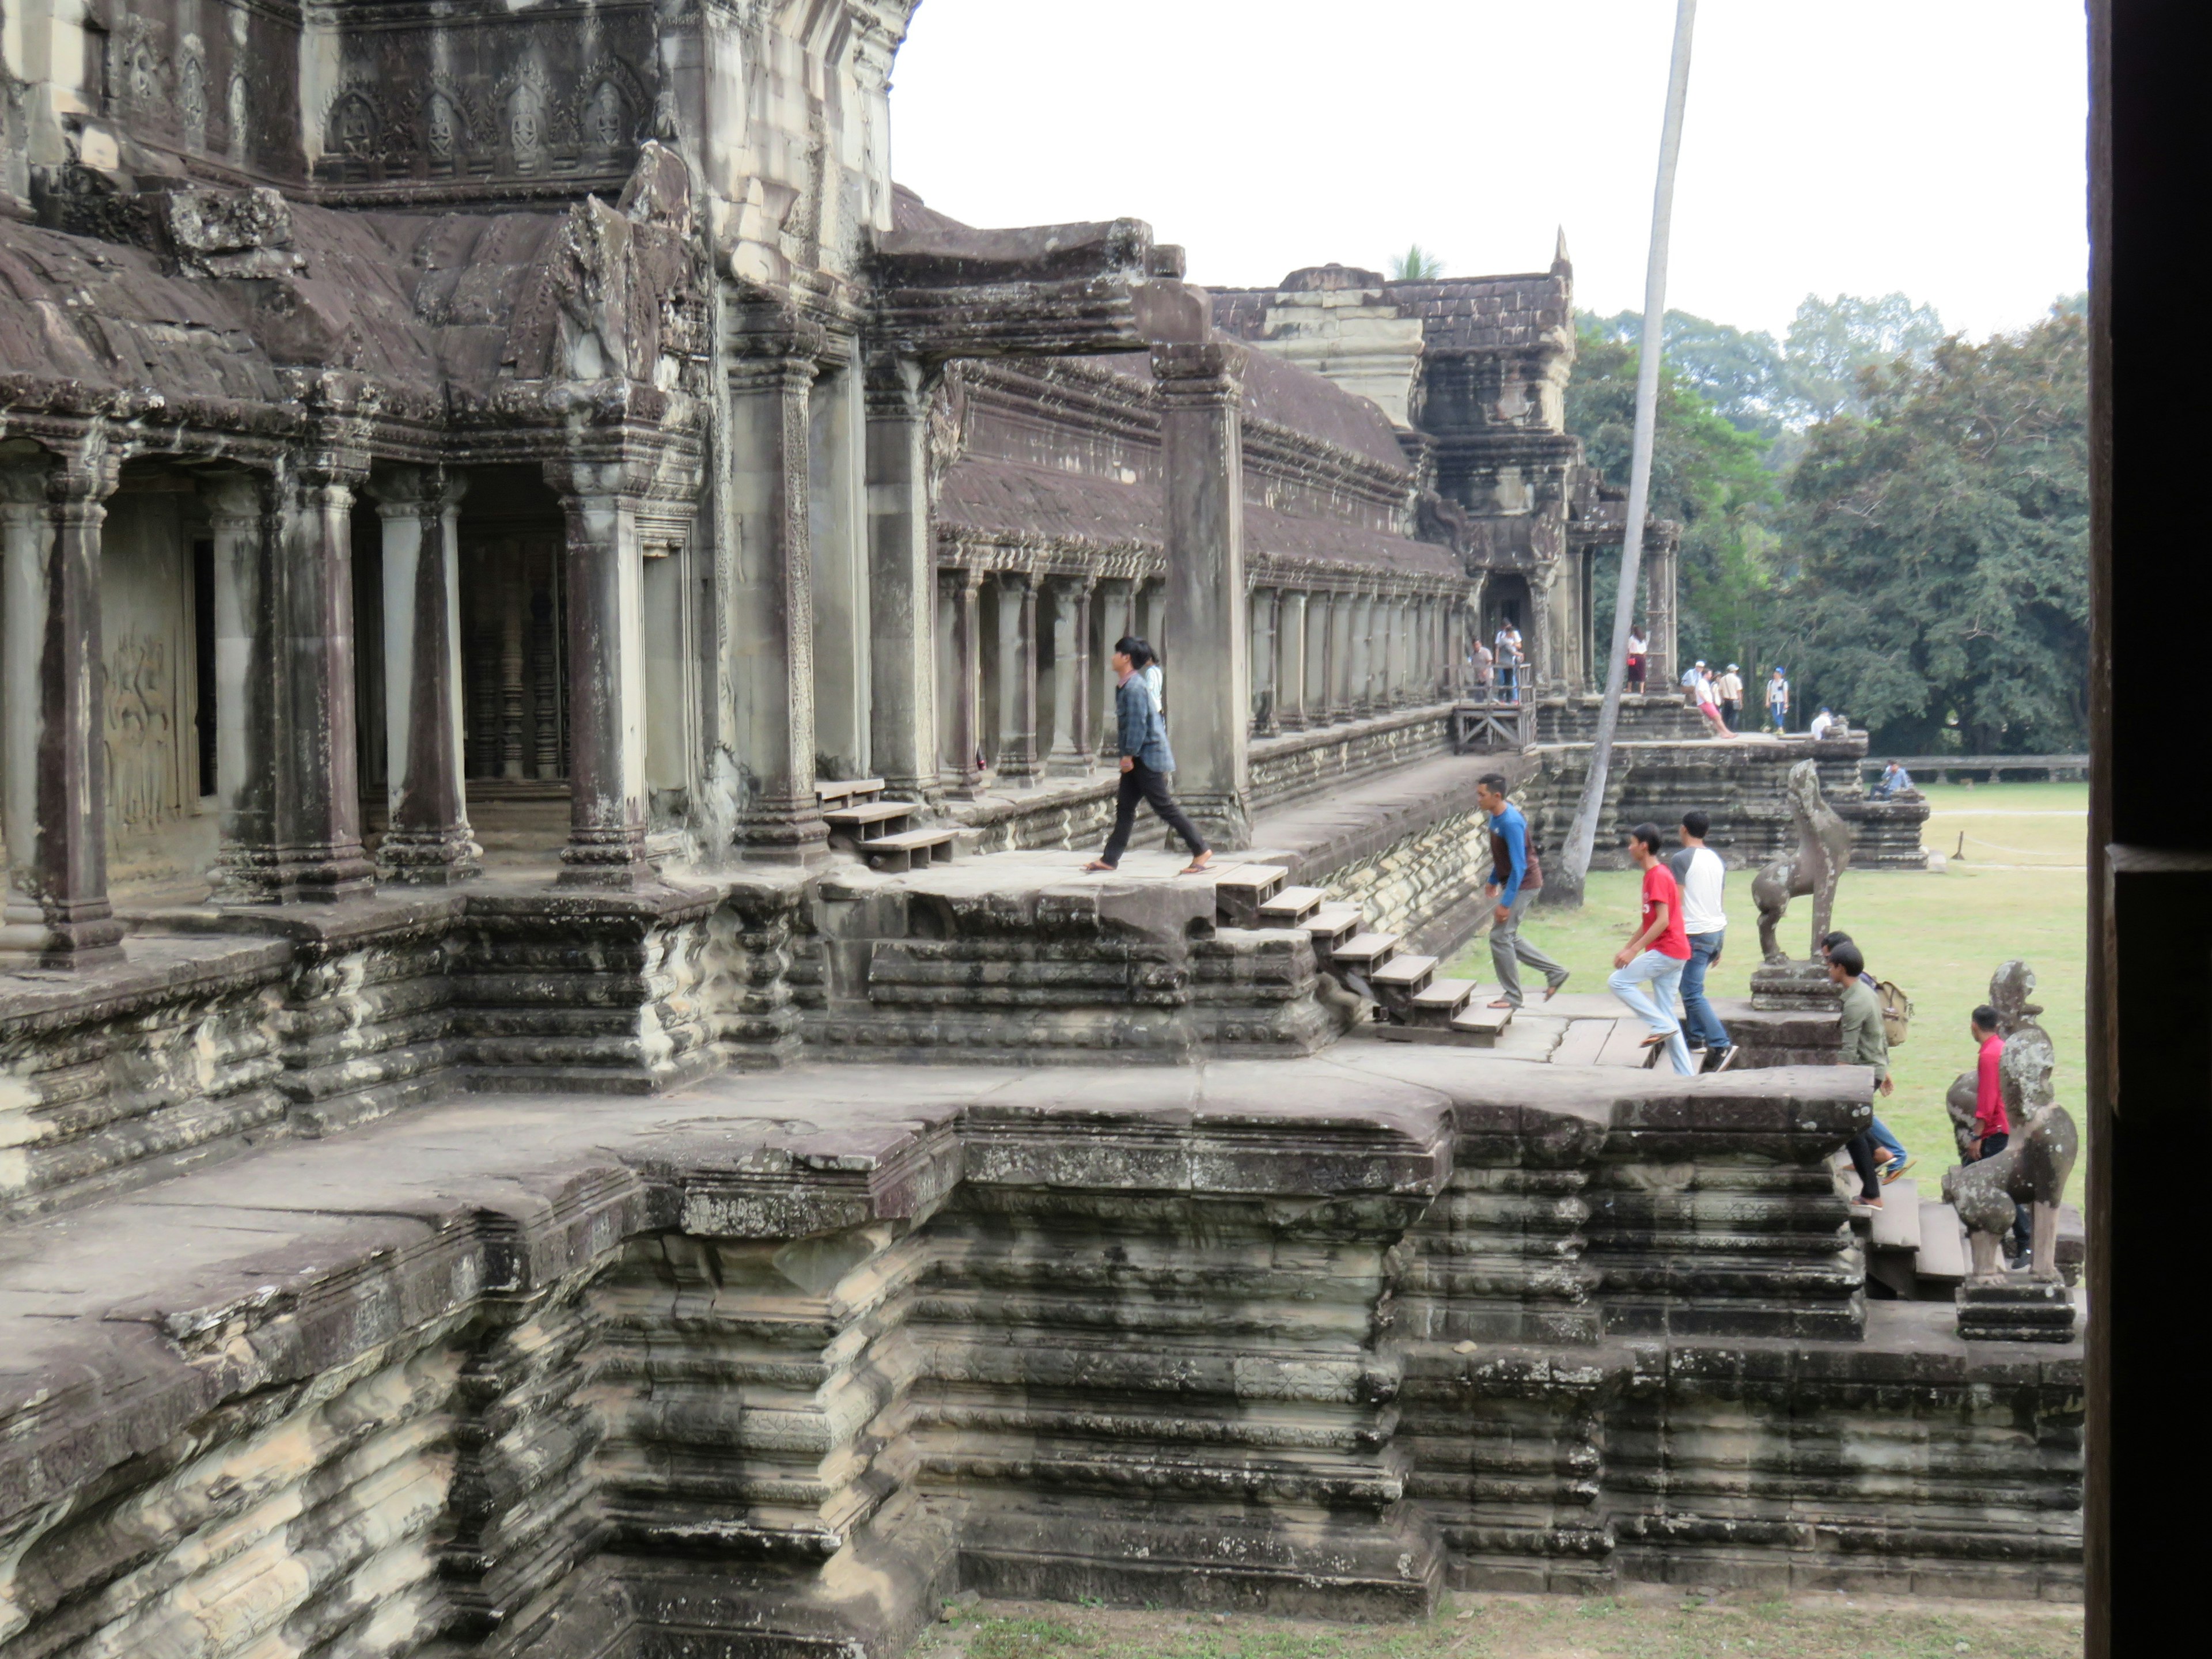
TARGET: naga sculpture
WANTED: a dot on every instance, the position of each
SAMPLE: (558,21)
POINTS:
(1823,852)
(2037,1162)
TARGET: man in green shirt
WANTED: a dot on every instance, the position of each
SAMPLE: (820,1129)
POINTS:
(1864,1043)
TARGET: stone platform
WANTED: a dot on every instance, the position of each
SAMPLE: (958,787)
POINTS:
(786,1356)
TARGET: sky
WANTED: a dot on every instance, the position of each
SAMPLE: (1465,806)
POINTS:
(1934,147)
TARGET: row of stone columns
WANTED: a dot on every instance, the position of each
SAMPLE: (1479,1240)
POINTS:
(1321,657)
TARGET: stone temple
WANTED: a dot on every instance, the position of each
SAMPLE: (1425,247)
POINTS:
(561,1091)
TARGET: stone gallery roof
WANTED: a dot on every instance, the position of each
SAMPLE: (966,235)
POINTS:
(1305,402)
(410,299)
(1488,313)
(1018,501)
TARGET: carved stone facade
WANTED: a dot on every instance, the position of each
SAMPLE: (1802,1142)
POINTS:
(484,490)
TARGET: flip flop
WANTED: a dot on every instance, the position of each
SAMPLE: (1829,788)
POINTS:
(1197,865)
(1502,1002)
(1096,864)
(1551,991)
(1657,1039)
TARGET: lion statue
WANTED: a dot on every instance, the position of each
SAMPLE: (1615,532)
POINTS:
(1823,852)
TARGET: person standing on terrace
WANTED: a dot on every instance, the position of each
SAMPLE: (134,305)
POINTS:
(1515,879)
(1147,760)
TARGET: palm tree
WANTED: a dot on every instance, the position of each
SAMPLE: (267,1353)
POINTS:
(1416,264)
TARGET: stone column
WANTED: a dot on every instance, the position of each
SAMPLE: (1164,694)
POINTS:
(1071,679)
(1542,647)
(771,604)
(1263,694)
(1116,611)
(901,582)
(56,913)
(837,544)
(318,809)
(1338,663)
(1018,760)
(606,677)
(428,840)
(1291,662)
(1361,642)
(1208,634)
(964,598)
(1394,652)
(248,868)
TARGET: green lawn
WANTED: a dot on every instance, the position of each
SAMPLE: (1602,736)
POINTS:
(1649,1626)
(1940,936)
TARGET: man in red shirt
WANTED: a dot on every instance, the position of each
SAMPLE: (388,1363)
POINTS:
(1993,1127)
(1648,968)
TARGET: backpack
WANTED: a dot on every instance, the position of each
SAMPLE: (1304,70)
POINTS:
(1896,1012)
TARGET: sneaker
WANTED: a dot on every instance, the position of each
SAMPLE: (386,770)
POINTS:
(1894,1168)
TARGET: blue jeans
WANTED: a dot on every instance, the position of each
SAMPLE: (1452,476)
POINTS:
(1889,1142)
(1655,1006)
(1698,1016)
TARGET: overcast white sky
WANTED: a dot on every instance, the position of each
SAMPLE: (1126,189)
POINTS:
(1934,146)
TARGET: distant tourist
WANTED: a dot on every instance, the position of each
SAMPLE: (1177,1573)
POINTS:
(1889,1152)
(1698,871)
(1508,662)
(1777,701)
(1639,660)
(1729,687)
(1894,780)
(1515,879)
(1147,760)
(1864,1043)
(1690,676)
(1485,670)
(1993,1127)
(1703,697)
(1648,969)
(1823,724)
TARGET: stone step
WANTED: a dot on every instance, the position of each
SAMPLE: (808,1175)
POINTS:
(1291,906)
(1365,952)
(1624,1046)
(1896,1225)
(1241,888)
(868,814)
(1941,1263)
(846,791)
(910,849)
(1334,925)
(1480,1021)
(1584,1042)
(1402,978)
(1440,1002)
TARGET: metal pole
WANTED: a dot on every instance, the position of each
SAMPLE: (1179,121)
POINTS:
(1582,840)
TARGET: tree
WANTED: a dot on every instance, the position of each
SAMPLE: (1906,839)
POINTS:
(1742,375)
(1707,474)
(1416,264)
(1831,342)
(1943,538)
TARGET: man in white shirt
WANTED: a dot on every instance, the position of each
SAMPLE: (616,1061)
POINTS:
(1729,687)
(1508,662)
(1823,723)
(1702,694)
(1700,874)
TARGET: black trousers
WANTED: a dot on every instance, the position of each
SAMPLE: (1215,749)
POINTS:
(1861,1147)
(1138,783)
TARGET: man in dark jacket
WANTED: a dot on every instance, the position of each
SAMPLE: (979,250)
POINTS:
(1147,760)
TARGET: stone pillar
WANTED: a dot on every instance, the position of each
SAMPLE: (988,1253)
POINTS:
(1264,692)
(56,913)
(319,808)
(1339,662)
(1116,612)
(1362,645)
(1394,652)
(1071,679)
(1541,646)
(837,544)
(901,582)
(428,840)
(771,602)
(248,866)
(606,678)
(1208,636)
(965,598)
(1291,663)
(1018,760)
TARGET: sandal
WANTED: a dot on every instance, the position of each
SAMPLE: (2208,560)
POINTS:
(1552,989)
(1096,864)
(1196,866)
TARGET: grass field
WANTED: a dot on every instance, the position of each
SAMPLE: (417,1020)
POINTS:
(1646,1626)
(2021,890)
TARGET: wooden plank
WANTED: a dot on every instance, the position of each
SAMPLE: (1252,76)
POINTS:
(1292,905)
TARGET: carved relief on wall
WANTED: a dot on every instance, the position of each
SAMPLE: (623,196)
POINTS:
(191,91)
(141,734)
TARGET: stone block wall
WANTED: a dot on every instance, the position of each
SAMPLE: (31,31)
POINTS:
(1293,1350)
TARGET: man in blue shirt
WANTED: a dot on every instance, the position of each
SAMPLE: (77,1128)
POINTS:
(1147,760)
(1895,779)
(1515,879)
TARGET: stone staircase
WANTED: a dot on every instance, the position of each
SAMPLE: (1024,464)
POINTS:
(1916,1247)
(1411,1004)
(881,832)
